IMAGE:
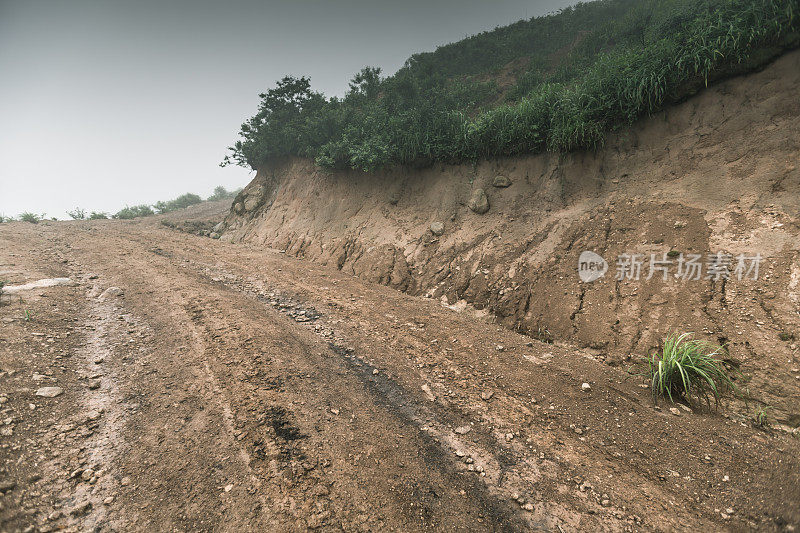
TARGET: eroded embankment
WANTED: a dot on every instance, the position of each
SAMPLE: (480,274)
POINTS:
(717,173)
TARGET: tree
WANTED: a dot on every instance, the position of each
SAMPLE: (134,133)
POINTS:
(280,128)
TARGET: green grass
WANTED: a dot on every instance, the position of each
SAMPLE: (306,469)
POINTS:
(761,417)
(688,367)
(575,76)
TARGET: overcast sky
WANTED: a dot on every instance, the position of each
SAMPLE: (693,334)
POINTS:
(109,102)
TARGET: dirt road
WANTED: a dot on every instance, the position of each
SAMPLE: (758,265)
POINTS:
(213,386)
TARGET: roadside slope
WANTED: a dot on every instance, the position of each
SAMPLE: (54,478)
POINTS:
(715,173)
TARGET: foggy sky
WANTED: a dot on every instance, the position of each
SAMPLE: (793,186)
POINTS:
(108,102)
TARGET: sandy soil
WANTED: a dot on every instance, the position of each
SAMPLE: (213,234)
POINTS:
(228,387)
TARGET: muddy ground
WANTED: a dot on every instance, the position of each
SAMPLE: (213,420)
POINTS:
(210,386)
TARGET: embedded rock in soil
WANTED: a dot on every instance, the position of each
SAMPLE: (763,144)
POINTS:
(501,181)
(478,202)
(437,228)
(49,392)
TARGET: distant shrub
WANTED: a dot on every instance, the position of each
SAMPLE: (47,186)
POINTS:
(77,214)
(4,218)
(98,215)
(136,211)
(220,193)
(33,218)
(182,201)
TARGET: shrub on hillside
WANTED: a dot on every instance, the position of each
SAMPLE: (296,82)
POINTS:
(77,214)
(136,211)
(33,218)
(591,68)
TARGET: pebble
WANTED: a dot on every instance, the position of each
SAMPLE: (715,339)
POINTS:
(125,481)
(94,384)
(81,509)
(49,392)
(487,395)
(675,411)
(586,387)
(109,500)
(462,430)
(528,507)
(375,372)
(501,348)
(6,486)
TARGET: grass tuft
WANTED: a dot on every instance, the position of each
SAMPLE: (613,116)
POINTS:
(688,367)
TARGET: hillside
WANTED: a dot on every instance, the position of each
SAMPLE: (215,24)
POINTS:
(555,83)
(715,173)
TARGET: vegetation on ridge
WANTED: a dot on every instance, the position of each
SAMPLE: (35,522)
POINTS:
(557,82)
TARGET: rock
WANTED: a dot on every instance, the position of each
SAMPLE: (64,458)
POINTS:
(229,487)
(87,474)
(586,387)
(675,411)
(110,292)
(500,348)
(462,430)
(238,208)
(579,431)
(251,203)
(81,509)
(219,227)
(214,235)
(605,503)
(125,481)
(94,384)
(6,486)
(487,395)
(437,228)
(501,181)
(109,500)
(49,392)
(528,507)
(478,202)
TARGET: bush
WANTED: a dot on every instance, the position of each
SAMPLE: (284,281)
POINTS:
(591,68)
(185,200)
(688,367)
(4,218)
(33,218)
(220,193)
(77,214)
(136,211)
(98,215)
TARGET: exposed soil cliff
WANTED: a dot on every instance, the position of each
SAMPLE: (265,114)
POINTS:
(718,172)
